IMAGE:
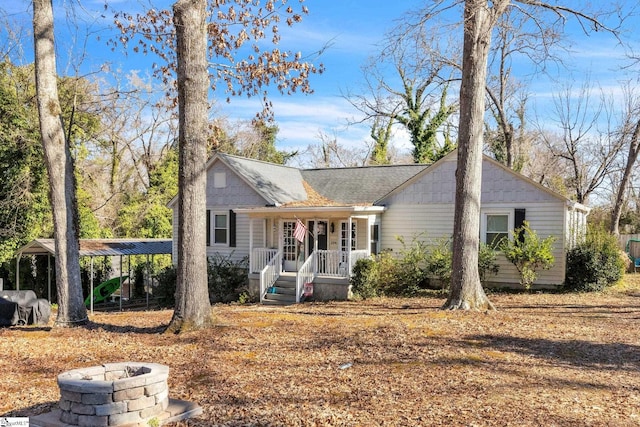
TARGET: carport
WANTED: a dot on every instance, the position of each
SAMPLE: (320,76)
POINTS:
(96,248)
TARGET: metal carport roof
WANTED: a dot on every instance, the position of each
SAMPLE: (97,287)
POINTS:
(93,248)
(102,247)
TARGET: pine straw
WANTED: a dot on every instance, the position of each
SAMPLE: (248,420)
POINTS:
(541,359)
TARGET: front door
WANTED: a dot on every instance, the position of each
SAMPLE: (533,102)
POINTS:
(291,247)
(320,233)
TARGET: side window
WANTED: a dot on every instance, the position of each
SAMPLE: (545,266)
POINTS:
(375,239)
(497,229)
(220,227)
(217,228)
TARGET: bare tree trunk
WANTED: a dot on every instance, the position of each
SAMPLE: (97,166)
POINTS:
(192,310)
(632,158)
(466,290)
(71,309)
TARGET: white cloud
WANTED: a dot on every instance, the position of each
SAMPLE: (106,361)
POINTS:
(301,121)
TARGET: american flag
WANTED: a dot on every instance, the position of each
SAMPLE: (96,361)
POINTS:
(300,231)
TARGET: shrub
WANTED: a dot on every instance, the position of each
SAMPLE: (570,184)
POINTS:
(364,284)
(165,290)
(387,274)
(528,253)
(408,273)
(227,279)
(439,262)
(139,272)
(487,262)
(595,263)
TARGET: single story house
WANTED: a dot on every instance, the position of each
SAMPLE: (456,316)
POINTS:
(254,208)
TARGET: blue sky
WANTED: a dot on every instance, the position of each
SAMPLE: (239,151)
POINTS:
(353,29)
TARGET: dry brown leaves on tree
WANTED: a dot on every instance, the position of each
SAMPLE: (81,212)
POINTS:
(542,359)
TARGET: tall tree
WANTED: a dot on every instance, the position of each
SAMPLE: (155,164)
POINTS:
(228,29)
(480,18)
(466,291)
(257,140)
(71,308)
(630,133)
(381,131)
(192,309)
(417,97)
(25,213)
(584,144)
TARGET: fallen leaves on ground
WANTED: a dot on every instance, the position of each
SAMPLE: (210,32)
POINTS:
(540,360)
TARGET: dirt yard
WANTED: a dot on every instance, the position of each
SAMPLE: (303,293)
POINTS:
(540,360)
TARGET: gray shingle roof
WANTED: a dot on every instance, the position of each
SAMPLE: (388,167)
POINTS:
(276,183)
(359,184)
(349,186)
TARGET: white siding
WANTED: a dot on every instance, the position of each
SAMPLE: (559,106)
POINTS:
(426,206)
(438,185)
(241,249)
(237,193)
(436,222)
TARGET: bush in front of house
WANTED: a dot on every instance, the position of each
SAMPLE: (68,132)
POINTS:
(227,281)
(439,263)
(408,273)
(414,269)
(227,278)
(386,274)
(165,289)
(595,263)
(364,281)
(528,253)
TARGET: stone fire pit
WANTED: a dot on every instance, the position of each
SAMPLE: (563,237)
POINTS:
(115,394)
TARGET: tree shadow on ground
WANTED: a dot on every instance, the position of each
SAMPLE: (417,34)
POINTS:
(126,329)
(609,356)
(37,409)
(28,328)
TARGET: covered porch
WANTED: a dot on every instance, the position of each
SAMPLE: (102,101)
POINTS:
(318,246)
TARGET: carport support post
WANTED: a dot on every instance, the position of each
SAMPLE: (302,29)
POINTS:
(120,282)
(18,272)
(49,277)
(91,281)
(147,280)
(129,278)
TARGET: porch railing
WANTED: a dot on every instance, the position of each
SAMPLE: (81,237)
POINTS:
(270,273)
(355,256)
(305,274)
(337,263)
(260,257)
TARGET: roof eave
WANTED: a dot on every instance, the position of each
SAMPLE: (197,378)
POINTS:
(310,209)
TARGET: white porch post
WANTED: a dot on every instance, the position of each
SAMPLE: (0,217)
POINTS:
(369,223)
(251,245)
(264,232)
(349,240)
(279,236)
(315,246)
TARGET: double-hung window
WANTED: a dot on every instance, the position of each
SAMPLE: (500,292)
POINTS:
(496,225)
(217,228)
(220,229)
